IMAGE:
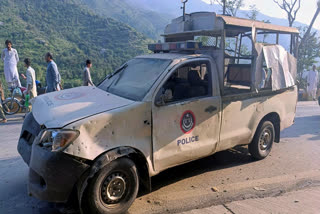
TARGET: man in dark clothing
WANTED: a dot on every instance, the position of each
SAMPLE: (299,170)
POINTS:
(53,77)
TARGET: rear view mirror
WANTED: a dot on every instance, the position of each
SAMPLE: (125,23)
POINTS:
(164,98)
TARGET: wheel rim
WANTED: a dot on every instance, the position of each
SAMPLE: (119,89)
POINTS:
(113,188)
(266,138)
(13,106)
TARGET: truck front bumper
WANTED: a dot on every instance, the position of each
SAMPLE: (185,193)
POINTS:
(53,175)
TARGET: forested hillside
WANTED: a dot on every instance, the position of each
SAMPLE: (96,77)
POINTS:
(72,32)
(146,21)
(172,7)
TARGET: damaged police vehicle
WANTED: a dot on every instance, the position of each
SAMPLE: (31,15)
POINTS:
(213,84)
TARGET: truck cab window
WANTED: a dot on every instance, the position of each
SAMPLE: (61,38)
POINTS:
(237,65)
(187,82)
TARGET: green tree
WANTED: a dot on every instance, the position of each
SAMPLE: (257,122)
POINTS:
(291,7)
(307,50)
(310,51)
(72,32)
(253,12)
(231,6)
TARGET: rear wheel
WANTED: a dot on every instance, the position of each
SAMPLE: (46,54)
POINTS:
(11,106)
(261,145)
(113,189)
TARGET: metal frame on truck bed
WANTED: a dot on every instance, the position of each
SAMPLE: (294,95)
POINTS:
(240,47)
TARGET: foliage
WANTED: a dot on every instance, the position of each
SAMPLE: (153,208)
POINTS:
(290,7)
(308,48)
(147,22)
(309,52)
(232,6)
(72,32)
(253,12)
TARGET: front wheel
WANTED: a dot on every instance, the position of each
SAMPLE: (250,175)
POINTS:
(261,145)
(11,106)
(113,189)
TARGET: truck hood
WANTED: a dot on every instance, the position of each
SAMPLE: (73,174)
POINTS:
(58,109)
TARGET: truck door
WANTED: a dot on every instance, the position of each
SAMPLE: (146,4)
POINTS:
(186,115)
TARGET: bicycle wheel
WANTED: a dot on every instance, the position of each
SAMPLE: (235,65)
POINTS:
(11,106)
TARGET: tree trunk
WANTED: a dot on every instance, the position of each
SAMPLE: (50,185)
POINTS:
(306,35)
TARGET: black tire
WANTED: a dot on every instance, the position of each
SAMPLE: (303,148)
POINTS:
(98,197)
(261,145)
(11,104)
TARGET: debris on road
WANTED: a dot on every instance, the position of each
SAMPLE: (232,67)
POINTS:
(259,189)
(214,189)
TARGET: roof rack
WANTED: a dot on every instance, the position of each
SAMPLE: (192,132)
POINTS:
(208,23)
(175,46)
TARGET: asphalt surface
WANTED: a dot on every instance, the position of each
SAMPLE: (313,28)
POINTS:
(293,165)
(301,201)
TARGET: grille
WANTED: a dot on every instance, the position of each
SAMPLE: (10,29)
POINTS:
(30,129)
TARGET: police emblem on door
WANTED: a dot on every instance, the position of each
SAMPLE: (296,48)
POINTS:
(187,122)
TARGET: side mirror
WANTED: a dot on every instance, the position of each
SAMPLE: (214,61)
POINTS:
(164,98)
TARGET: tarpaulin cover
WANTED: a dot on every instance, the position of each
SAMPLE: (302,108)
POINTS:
(259,64)
(283,65)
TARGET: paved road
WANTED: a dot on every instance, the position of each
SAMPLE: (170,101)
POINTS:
(301,201)
(294,164)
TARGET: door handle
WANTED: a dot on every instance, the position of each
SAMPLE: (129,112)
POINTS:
(211,109)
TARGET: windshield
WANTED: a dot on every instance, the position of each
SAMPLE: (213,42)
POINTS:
(135,78)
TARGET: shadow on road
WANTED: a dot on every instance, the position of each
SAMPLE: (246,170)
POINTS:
(299,128)
(221,160)
(14,196)
(11,123)
(13,120)
(7,161)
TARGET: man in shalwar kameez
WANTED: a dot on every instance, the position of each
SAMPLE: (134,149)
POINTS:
(312,81)
(10,58)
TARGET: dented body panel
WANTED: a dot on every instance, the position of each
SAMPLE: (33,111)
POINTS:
(255,109)
(158,137)
(164,109)
(56,110)
(129,126)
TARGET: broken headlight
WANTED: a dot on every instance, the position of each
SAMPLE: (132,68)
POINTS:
(57,139)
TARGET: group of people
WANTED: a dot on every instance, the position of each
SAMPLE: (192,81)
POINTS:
(10,58)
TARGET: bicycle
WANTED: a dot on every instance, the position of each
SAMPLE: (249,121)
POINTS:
(12,105)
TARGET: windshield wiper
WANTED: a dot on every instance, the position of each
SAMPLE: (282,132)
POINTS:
(114,73)
(117,71)
(122,68)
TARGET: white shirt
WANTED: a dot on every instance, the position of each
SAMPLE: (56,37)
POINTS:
(31,80)
(87,81)
(10,59)
(312,80)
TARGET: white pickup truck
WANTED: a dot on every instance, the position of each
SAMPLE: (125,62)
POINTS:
(188,100)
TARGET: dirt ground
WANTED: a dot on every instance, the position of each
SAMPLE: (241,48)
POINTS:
(232,175)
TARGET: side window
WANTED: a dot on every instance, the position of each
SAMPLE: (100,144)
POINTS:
(188,81)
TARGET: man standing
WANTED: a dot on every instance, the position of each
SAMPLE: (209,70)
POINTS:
(53,77)
(31,82)
(10,58)
(87,81)
(312,81)
(31,79)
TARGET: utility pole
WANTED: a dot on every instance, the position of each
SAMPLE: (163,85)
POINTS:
(184,8)
(224,7)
